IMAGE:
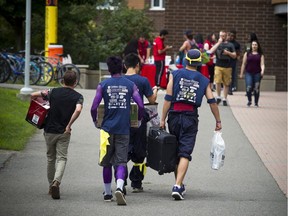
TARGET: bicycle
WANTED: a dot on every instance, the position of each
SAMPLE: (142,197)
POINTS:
(14,68)
(57,71)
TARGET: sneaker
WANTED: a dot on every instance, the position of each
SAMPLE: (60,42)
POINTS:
(108,197)
(137,190)
(230,93)
(225,103)
(120,197)
(249,103)
(256,105)
(124,190)
(55,191)
(183,189)
(218,100)
(177,193)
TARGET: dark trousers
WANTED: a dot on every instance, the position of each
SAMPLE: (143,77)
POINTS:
(211,72)
(160,67)
(234,77)
(137,154)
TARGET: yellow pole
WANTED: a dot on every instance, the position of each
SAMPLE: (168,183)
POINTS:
(51,20)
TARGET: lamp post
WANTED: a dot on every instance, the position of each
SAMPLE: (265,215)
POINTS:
(26,89)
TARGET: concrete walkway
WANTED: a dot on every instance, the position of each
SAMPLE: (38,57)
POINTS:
(244,186)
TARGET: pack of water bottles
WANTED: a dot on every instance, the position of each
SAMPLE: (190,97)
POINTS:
(217,152)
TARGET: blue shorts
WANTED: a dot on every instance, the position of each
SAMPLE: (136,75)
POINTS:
(184,125)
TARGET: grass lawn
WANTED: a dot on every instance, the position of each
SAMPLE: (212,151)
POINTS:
(15,131)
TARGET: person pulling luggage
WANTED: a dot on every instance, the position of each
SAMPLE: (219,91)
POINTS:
(184,94)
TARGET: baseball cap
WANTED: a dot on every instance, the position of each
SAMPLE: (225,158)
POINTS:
(193,58)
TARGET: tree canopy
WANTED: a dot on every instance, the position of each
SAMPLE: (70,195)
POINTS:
(87,33)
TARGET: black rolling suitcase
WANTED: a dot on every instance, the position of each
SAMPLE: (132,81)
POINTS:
(161,151)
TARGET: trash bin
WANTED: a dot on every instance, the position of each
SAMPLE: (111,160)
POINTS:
(53,50)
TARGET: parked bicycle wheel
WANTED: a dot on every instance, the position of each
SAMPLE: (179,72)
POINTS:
(46,73)
(5,70)
(34,74)
(63,69)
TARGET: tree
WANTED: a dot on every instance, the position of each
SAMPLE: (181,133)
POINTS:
(87,33)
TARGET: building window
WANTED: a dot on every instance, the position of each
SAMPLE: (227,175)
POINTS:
(157,5)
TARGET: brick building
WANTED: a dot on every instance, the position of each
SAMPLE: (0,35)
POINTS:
(268,19)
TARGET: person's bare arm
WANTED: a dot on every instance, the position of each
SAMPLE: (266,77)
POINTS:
(214,107)
(74,116)
(183,47)
(244,62)
(152,99)
(214,48)
(231,54)
(262,65)
(167,103)
(165,49)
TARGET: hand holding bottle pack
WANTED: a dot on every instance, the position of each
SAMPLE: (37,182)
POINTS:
(217,152)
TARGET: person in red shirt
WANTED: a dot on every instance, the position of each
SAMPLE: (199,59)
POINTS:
(159,52)
(144,49)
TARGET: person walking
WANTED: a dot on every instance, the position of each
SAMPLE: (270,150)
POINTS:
(208,44)
(138,139)
(159,53)
(185,91)
(223,67)
(188,44)
(117,92)
(233,85)
(253,66)
(65,107)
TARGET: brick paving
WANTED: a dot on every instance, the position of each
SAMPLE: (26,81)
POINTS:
(266,129)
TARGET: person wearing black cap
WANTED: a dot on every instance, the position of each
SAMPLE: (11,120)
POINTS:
(185,90)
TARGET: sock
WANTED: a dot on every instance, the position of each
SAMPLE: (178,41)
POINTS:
(178,186)
(120,183)
(107,188)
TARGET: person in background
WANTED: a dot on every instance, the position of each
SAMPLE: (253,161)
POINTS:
(188,44)
(253,66)
(233,85)
(144,49)
(138,139)
(185,91)
(208,44)
(117,92)
(223,68)
(200,43)
(251,37)
(65,107)
(159,52)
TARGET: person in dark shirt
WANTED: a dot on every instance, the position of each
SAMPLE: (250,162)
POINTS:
(65,107)
(233,85)
(185,91)
(253,66)
(116,92)
(223,67)
(138,139)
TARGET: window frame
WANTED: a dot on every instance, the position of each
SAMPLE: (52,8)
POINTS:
(157,8)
